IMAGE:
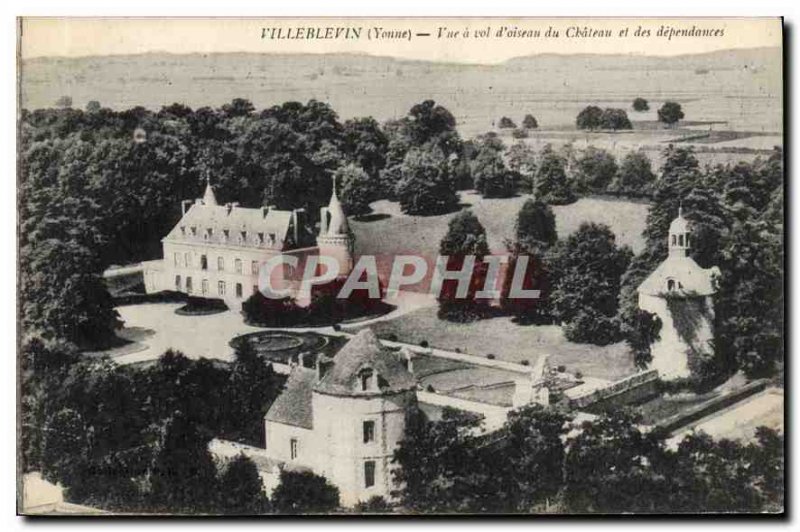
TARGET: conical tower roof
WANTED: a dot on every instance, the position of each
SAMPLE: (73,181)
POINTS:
(338,222)
(208,197)
(365,352)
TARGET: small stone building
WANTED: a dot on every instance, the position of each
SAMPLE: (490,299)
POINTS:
(344,418)
(680,293)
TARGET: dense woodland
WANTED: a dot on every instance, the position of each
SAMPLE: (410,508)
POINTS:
(98,187)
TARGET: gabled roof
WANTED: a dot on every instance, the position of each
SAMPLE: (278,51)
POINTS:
(235,220)
(365,351)
(692,278)
(293,405)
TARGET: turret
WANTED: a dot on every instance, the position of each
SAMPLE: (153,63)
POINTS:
(679,235)
(208,197)
(335,239)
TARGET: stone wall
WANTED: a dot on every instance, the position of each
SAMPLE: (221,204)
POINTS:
(633,389)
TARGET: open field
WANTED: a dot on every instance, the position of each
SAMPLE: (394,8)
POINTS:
(509,341)
(393,232)
(742,88)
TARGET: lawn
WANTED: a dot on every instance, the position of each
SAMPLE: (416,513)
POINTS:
(390,232)
(509,341)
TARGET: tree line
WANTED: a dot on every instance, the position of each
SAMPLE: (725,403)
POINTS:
(540,464)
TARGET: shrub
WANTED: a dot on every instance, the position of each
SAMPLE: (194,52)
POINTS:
(506,123)
(392,337)
(525,362)
(562,368)
(490,356)
(337,327)
(423,343)
(578,375)
(430,389)
(520,133)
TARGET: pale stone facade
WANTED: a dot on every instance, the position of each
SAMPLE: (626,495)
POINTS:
(216,251)
(679,283)
(345,418)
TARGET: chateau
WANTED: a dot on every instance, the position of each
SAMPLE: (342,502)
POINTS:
(216,251)
(680,293)
(344,418)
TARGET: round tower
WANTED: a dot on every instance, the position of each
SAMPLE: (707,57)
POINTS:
(680,293)
(360,402)
(335,238)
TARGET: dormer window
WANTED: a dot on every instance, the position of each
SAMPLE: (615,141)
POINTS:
(243,237)
(366,378)
(208,234)
(260,239)
(183,231)
(194,231)
(226,234)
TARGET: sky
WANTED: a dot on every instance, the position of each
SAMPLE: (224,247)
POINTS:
(76,37)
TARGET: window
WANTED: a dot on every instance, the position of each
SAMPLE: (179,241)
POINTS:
(203,262)
(680,240)
(369,431)
(177,282)
(366,379)
(369,473)
(260,239)
(177,259)
(687,240)
(194,231)
(188,285)
(243,237)
(254,267)
(226,235)
(674,240)
(221,288)
(670,285)
(237,264)
(187,259)
(238,289)
(204,286)
(183,231)
(220,264)
(293,448)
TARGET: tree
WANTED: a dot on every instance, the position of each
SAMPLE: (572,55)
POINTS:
(357,188)
(237,108)
(536,221)
(428,121)
(466,237)
(425,186)
(253,386)
(241,490)
(535,458)
(183,477)
(609,468)
(529,122)
(635,176)
(640,105)
(304,493)
(492,178)
(670,113)
(594,170)
(522,159)
(615,119)
(93,106)
(366,144)
(64,102)
(589,118)
(585,297)
(438,468)
(535,233)
(506,123)
(551,179)
(65,447)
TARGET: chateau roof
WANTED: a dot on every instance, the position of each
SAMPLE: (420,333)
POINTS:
(271,223)
(692,278)
(293,405)
(679,224)
(365,351)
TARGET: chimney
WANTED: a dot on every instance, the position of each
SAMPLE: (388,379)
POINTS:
(323,365)
(184,204)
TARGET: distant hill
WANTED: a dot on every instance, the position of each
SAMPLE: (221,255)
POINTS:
(552,87)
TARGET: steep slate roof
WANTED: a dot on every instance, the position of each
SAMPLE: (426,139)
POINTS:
(693,278)
(235,219)
(293,405)
(365,351)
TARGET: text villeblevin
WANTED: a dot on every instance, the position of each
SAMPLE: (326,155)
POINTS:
(311,32)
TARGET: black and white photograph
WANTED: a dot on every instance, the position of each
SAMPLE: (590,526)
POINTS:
(400,267)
